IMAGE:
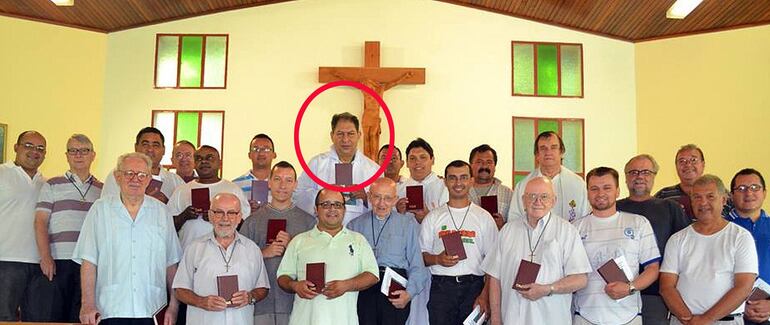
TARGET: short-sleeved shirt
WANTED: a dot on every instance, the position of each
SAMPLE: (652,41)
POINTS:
(346,255)
(477,229)
(571,195)
(18,197)
(203,262)
(244,182)
(66,199)
(622,234)
(170,182)
(255,228)
(560,253)
(760,230)
(701,285)
(130,255)
(504,195)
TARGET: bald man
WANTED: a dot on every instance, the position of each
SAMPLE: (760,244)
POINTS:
(395,240)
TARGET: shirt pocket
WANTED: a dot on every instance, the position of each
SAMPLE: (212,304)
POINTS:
(551,266)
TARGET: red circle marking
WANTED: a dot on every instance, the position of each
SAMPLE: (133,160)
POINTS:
(391,139)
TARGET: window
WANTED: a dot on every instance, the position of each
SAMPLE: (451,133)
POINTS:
(547,69)
(526,129)
(198,127)
(191,61)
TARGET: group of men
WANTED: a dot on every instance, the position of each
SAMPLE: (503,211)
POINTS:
(137,250)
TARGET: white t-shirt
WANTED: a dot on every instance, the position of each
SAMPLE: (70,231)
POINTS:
(622,234)
(181,199)
(434,192)
(479,235)
(571,195)
(170,182)
(560,253)
(706,265)
(18,197)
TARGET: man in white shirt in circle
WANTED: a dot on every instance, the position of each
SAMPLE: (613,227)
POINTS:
(711,265)
(610,234)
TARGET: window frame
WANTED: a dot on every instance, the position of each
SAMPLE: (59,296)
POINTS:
(179,60)
(200,121)
(536,120)
(558,70)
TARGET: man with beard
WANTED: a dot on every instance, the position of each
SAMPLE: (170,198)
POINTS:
(20,183)
(349,266)
(609,234)
(149,141)
(261,154)
(483,161)
(191,221)
(223,252)
(666,218)
(457,285)
(394,166)
(182,160)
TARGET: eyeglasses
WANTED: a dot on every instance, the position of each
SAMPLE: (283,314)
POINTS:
(130,174)
(543,197)
(687,161)
(746,188)
(328,205)
(180,155)
(220,213)
(643,172)
(29,146)
(78,151)
(261,149)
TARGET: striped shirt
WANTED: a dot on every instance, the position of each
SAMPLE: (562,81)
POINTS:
(244,182)
(504,195)
(66,199)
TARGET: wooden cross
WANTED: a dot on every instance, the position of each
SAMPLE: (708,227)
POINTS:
(378,79)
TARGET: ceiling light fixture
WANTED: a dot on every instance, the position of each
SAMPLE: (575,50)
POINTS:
(64,3)
(682,8)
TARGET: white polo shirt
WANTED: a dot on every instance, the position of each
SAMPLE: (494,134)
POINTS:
(18,197)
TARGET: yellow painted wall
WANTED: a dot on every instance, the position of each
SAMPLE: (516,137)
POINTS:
(711,90)
(275,52)
(52,81)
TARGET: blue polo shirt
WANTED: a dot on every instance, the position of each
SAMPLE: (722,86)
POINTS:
(760,230)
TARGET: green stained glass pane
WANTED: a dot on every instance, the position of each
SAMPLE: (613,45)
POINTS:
(187,127)
(524,137)
(523,69)
(572,135)
(517,179)
(190,73)
(571,70)
(547,70)
(166,61)
(216,56)
(547,125)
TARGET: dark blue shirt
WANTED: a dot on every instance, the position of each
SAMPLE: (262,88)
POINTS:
(760,230)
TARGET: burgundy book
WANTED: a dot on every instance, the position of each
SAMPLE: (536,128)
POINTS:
(343,174)
(758,294)
(394,286)
(200,198)
(414,195)
(259,191)
(315,273)
(274,226)
(453,244)
(227,286)
(154,186)
(489,203)
(611,272)
(526,274)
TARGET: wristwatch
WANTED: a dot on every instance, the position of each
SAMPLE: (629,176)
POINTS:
(550,290)
(631,288)
(252,300)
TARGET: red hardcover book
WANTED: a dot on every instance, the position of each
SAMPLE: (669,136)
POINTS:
(259,190)
(274,226)
(611,272)
(227,286)
(489,203)
(526,274)
(200,198)
(315,273)
(394,286)
(758,294)
(414,195)
(343,174)
(154,186)
(453,244)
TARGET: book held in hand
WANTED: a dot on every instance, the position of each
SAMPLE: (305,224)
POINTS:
(527,274)
(453,244)
(259,190)
(476,317)
(489,203)
(155,184)
(761,291)
(315,273)
(274,226)
(343,174)
(392,282)
(615,271)
(414,196)
(227,286)
(200,199)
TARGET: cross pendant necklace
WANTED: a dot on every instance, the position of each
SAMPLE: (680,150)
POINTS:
(529,240)
(227,260)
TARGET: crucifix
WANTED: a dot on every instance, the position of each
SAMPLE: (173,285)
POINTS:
(378,79)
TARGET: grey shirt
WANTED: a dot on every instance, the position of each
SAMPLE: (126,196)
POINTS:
(255,228)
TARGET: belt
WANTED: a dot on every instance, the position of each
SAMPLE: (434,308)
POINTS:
(730,317)
(458,278)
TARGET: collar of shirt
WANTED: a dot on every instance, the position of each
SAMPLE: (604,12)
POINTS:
(251,176)
(74,177)
(238,239)
(315,232)
(734,215)
(18,168)
(540,223)
(333,154)
(432,177)
(115,202)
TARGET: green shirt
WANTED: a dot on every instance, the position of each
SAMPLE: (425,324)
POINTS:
(346,255)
